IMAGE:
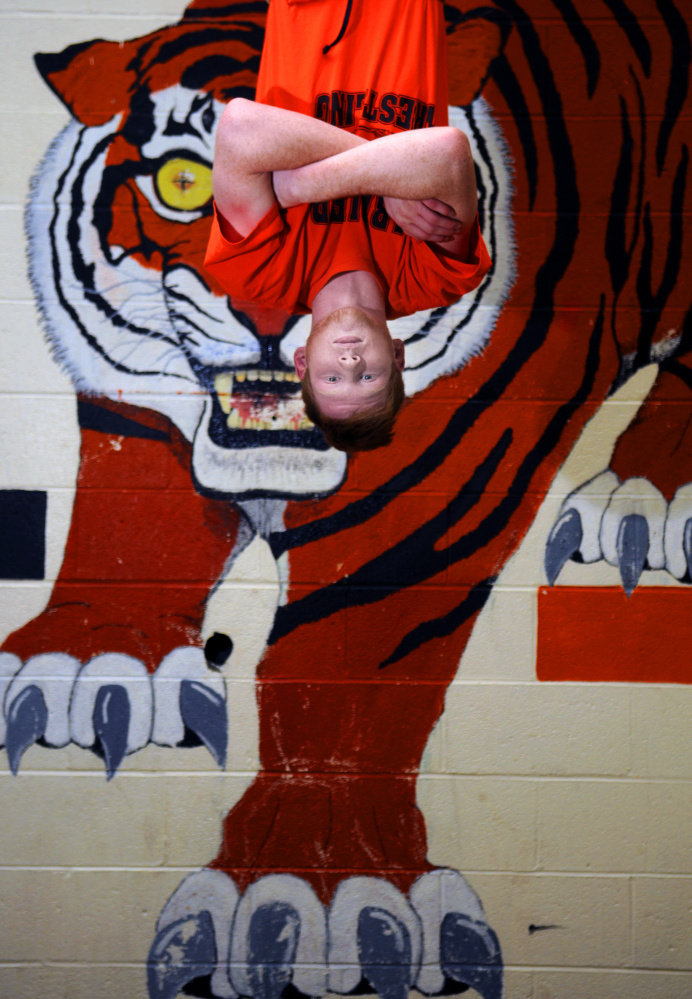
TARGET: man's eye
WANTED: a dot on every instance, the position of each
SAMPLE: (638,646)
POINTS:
(367,378)
(332,378)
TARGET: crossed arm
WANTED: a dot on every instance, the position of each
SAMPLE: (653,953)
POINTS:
(265,154)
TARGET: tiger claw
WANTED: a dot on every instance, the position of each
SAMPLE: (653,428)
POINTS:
(203,711)
(687,545)
(384,951)
(565,539)
(181,952)
(460,951)
(632,549)
(27,719)
(470,954)
(111,725)
(272,943)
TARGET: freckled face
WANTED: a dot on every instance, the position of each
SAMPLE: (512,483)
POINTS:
(350,362)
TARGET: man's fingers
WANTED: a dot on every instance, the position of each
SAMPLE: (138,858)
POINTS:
(440,207)
(440,223)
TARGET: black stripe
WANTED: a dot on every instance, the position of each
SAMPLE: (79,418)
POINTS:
(213,67)
(232,10)
(440,627)
(636,37)
(584,39)
(653,303)
(510,88)
(678,80)
(92,416)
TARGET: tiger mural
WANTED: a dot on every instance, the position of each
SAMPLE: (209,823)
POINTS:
(194,441)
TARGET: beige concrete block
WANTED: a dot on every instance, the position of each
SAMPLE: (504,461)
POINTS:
(21,602)
(243,726)
(592,825)
(33,453)
(503,643)
(15,282)
(69,819)
(64,981)
(480,823)
(662,910)
(73,916)
(661,725)
(553,920)
(31,369)
(26,136)
(668,824)
(195,808)
(170,9)
(546,729)
(616,984)
(517,985)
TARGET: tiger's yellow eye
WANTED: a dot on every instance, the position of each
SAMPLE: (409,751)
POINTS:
(184,184)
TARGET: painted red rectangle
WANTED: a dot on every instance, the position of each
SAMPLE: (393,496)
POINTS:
(597,634)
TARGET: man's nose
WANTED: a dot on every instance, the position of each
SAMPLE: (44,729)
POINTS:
(349,357)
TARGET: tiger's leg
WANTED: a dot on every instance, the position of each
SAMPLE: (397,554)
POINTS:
(326,851)
(142,553)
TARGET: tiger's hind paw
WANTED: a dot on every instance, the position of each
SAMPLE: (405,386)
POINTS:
(111,705)
(629,524)
(279,940)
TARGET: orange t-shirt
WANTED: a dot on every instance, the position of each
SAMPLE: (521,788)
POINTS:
(387,73)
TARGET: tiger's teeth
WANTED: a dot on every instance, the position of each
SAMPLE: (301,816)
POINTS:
(253,375)
(223,386)
(240,376)
(291,376)
(265,376)
(279,376)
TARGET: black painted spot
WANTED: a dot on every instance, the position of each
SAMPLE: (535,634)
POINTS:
(22,534)
(217,649)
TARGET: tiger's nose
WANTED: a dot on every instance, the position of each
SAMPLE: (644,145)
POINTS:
(266,322)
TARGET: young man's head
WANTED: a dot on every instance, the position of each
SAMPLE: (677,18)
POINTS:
(350,370)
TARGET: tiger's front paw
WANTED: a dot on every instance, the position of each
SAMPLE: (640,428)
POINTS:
(630,524)
(111,705)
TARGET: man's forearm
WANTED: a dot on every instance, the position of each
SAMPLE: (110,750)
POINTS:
(427,163)
(264,138)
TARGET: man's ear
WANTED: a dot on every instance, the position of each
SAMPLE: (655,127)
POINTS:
(299,362)
(399,351)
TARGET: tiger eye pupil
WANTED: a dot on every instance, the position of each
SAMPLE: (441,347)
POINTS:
(184,180)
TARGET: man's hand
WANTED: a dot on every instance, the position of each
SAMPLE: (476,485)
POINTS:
(429,221)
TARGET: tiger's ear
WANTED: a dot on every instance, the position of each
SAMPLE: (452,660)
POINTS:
(474,41)
(92,79)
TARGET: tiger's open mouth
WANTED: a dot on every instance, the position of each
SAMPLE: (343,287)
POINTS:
(258,407)
(258,399)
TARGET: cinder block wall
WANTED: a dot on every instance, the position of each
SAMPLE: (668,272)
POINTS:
(567,805)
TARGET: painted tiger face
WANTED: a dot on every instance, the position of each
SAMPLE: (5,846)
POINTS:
(119,219)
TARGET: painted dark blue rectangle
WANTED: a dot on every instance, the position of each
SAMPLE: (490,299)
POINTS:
(22,534)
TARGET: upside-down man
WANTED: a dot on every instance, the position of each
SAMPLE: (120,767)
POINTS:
(342,191)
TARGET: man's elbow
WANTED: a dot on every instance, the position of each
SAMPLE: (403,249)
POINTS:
(455,148)
(233,125)
(461,172)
